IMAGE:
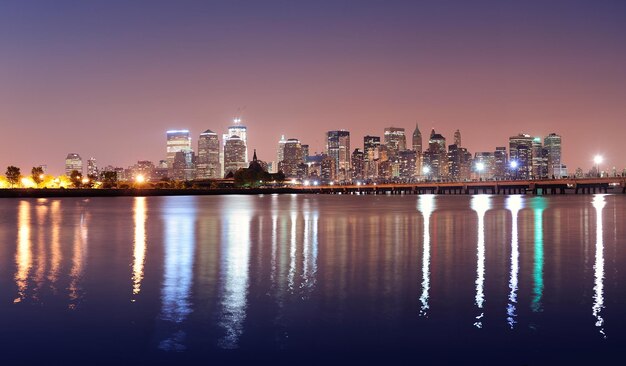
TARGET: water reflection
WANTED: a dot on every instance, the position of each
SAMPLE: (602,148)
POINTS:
(55,244)
(23,255)
(139,250)
(426,205)
(480,204)
(598,288)
(178,218)
(513,204)
(538,204)
(310,248)
(40,273)
(79,255)
(236,252)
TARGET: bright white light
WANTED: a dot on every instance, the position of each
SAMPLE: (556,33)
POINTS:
(85,180)
(426,169)
(358,183)
(307,183)
(293,181)
(332,183)
(480,166)
(598,159)
(514,164)
(316,183)
(140,178)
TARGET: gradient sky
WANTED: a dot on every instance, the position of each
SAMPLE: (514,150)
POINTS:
(107,78)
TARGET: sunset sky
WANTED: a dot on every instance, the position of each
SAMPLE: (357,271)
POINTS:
(108,78)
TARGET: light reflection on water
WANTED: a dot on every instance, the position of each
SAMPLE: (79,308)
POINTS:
(286,270)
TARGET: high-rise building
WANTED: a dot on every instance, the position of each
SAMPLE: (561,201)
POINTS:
(459,163)
(436,157)
(237,129)
(457,138)
(234,154)
(281,149)
(208,162)
(177,140)
(552,144)
(183,166)
(501,166)
(520,156)
(539,160)
(338,148)
(292,158)
(92,168)
(73,161)
(417,140)
(328,169)
(395,140)
(371,151)
(484,165)
(358,164)
(407,165)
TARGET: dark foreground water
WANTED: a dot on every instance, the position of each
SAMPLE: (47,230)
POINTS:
(507,280)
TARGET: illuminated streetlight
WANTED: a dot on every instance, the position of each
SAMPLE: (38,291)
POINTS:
(480,166)
(426,170)
(513,164)
(598,159)
(140,178)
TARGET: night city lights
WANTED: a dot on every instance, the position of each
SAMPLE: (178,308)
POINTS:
(312,182)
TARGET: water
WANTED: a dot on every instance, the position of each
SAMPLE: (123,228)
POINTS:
(310,278)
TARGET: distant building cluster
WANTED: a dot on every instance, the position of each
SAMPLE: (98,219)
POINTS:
(381,159)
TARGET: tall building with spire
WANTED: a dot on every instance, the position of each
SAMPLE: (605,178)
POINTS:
(280,156)
(457,138)
(417,140)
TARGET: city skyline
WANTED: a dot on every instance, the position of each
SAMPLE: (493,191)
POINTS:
(124,73)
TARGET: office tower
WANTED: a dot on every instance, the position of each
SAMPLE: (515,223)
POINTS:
(358,164)
(501,166)
(281,149)
(457,138)
(407,165)
(146,169)
(395,140)
(484,165)
(234,154)
(208,162)
(305,152)
(436,157)
(328,169)
(459,162)
(177,140)
(92,168)
(539,160)
(552,144)
(371,150)
(338,148)
(520,156)
(73,161)
(292,159)
(417,140)
(183,166)
(239,130)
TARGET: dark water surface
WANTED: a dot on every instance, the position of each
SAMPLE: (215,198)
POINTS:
(508,280)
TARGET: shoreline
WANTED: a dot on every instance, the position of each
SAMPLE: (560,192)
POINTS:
(135,192)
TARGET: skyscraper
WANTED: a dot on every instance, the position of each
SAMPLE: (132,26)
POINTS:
(338,148)
(177,140)
(358,164)
(292,158)
(208,163)
(501,166)
(436,157)
(92,168)
(371,149)
(237,129)
(281,149)
(395,140)
(520,152)
(234,154)
(73,161)
(457,138)
(417,140)
(552,144)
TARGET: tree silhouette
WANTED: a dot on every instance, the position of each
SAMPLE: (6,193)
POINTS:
(13,175)
(37,175)
(77,178)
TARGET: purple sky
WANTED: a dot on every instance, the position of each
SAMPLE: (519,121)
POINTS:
(107,78)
